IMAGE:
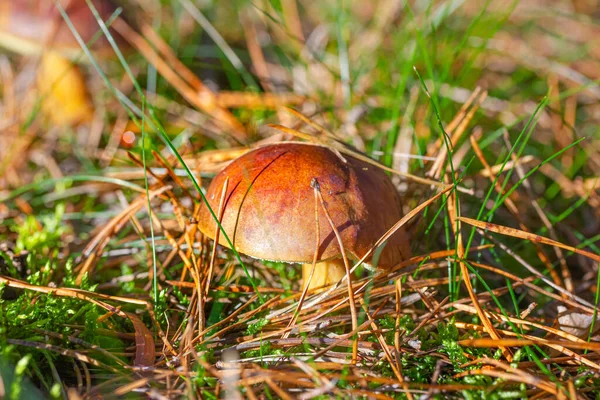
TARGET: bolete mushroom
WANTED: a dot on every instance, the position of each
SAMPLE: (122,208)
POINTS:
(32,27)
(269,209)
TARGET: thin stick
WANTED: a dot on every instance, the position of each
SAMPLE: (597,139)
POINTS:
(213,255)
(314,265)
(315,184)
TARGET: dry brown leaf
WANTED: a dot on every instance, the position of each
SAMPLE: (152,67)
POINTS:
(576,323)
(145,351)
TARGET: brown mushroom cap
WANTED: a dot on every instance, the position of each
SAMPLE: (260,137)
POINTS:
(269,210)
(29,26)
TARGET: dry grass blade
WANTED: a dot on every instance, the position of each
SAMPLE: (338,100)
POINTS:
(398,293)
(69,292)
(315,184)
(213,256)
(570,354)
(200,96)
(591,346)
(257,100)
(568,298)
(533,324)
(314,263)
(460,115)
(508,231)
(325,384)
(495,169)
(453,210)
(456,130)
(537,273)
(280,392)
(529,379)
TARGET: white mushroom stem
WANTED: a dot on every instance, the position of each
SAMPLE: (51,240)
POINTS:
(326,273)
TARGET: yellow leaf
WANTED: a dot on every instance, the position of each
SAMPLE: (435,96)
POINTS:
(62,87)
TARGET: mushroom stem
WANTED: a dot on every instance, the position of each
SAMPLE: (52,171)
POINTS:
(326,273)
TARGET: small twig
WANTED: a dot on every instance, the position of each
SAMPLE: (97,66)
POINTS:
(213,255)
(315,184)
(314,262)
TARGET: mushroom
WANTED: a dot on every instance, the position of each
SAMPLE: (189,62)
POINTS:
(32,27)
(269,212)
